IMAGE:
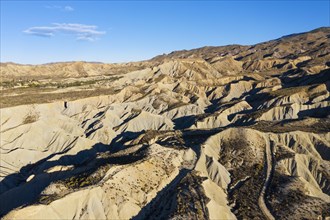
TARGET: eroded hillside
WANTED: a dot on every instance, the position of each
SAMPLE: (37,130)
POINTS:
(212,133)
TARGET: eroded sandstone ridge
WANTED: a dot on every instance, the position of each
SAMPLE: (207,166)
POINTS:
(211,133)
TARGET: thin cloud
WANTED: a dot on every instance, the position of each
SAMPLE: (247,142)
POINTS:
(67,8)
(79,31)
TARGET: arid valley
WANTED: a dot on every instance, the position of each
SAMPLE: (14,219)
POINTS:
(230,132)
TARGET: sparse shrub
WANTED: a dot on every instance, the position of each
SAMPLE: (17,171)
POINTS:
(30,118)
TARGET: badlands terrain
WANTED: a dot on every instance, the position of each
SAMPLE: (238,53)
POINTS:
(231,132)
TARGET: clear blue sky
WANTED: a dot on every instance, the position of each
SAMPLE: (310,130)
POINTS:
(35,32)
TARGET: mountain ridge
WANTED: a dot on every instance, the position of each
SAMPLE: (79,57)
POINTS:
(320,29)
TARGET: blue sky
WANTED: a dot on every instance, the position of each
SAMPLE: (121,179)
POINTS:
(36,32)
